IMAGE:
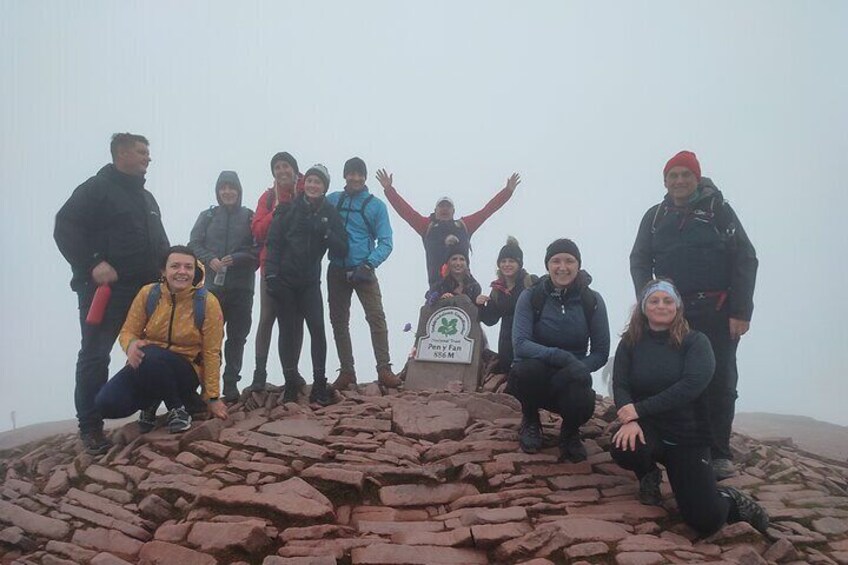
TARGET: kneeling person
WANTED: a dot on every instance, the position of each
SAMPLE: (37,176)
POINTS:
(172,337)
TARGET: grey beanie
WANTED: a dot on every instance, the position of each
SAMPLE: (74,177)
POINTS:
(321,172)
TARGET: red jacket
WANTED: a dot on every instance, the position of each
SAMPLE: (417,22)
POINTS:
(268,202)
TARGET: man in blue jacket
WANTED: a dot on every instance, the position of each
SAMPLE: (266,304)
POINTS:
(370,243)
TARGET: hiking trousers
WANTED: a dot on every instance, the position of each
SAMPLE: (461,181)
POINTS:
(339,292)
(162,376)
(294,305)
(689,473)
(538,385)
(92,369)
(721,393)
(237,306)
(267,316)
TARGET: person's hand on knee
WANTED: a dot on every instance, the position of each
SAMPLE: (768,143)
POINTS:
(134,353)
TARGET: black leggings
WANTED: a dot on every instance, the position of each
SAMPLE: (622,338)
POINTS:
(294,305)
(689,473)
(539,385)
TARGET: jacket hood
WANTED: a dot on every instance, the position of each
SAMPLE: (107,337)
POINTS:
(706,190)
(229,177)
(581,281)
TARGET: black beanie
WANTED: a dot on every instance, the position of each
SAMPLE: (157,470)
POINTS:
(355,165)
(288,158)
(562,246)
(458,248)
(511,251)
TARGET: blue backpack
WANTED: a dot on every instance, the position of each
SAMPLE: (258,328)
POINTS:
(199,304)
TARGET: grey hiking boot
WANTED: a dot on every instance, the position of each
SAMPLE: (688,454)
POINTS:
(95,443)
(178,420)
(649,488)
(723,469)
(530,435)
(147,418)
(747,509)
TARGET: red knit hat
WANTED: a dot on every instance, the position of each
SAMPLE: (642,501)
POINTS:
(684,159)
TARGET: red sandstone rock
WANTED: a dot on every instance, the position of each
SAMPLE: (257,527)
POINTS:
(111,541)
(639,558)
(489,535)
(71,551)
(588,549)
(389,554)
(389,528)
(421,495)
(211,537)
(31,522)
(311,430)
(293,498)
(451,538)
(108,559)
(173,533)
(334,475)
(435,420)
(106,476)
(161,553)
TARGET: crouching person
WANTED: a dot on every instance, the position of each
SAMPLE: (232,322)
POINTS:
(555,323)
(661,371)
(172,337)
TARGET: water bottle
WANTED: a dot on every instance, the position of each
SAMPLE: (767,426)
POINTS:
(220,277)
(98,305)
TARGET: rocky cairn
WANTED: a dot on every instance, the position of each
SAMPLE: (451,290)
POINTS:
(411,478)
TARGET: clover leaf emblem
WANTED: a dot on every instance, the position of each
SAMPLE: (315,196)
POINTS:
(447,327)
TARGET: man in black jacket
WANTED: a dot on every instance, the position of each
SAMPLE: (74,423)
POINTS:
(110,231)
(694,238)
(222,240)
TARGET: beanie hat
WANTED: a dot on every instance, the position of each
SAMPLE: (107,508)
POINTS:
(660,285)
(355,165)
(684,159)
(287,157)
(458,248)
(562,246)
(321,172)
(511,251)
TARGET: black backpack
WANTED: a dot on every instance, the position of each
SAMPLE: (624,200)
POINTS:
(539,294)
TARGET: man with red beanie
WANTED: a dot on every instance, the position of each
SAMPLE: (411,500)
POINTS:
(695,238)
(288,182)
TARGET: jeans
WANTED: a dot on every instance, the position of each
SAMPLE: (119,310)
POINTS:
(339,292)
(689,473)
(92,368)
(162,376)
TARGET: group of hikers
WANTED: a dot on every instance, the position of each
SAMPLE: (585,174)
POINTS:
(674,374)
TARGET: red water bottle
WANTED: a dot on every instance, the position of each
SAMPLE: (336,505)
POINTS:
(98,305)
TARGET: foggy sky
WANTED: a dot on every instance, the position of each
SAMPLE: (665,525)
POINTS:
(586,101)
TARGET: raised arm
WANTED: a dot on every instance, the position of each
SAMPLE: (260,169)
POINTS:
(416,221)
(475,220)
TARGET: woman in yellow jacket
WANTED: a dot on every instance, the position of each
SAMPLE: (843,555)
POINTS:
(172,337)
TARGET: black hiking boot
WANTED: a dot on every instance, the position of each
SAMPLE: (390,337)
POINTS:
(321,394)
(571,447)
(293,387)
(649,488)
(260,377)
(95,443)
(530,435)
(231,392)
(747,509)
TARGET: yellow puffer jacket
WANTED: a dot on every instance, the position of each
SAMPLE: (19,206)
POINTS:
(171,326)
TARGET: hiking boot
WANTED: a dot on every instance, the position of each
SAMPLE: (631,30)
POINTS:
(320,393)
(178,420)
(231,392)
(95,443)
(649,488)
(260,376)
(723,469)
(571,447)
(747,509)
(345,380)
(292,390)
(147,418)
(386,378)
(530,435)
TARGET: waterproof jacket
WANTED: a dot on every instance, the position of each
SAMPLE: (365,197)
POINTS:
(225,230)
(665,384)
(471,288)
(111,217)
(433,232)
(702,247)
(172,326)
(501,307)
(561,334)
(368,229)
(268,202)
(299,236)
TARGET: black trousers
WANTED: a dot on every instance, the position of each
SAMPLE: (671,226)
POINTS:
(92,368)
(538,385)
(689,473)
(721,393)
(294,305)
(237,306)
(162,376)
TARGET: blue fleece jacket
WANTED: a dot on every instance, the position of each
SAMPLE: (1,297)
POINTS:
(369,242)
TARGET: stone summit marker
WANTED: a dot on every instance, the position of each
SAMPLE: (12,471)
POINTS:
(447,346)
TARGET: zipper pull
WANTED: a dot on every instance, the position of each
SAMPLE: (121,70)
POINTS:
(562,306)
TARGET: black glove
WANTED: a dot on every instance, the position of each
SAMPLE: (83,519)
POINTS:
(364,273)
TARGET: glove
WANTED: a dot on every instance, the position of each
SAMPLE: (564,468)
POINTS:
(577,371)
(364,273)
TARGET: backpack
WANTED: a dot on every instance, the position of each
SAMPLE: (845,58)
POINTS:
(588,301)
(339,207)
(721,217)
(199,304)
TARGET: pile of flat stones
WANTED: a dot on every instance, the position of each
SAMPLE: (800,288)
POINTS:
(408,478)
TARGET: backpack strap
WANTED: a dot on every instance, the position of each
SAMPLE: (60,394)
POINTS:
(589,302)
(198,304)
(537,300)
(340,208)
(152,299)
